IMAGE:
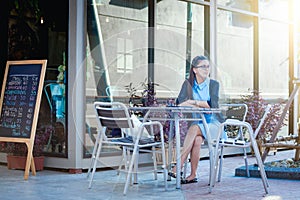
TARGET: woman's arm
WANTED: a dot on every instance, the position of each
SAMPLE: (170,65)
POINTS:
(184,99)
(183,94)
(195,103)
(214,94)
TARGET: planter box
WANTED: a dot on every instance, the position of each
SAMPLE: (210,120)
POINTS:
(19,162)
(272,172)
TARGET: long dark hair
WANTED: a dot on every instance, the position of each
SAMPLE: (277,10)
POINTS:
(192,75)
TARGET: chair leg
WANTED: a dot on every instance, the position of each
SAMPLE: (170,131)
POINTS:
(246,162)
(93,158)
(127,161)
(212,173)
(170,156)
(130,169)
(123,160)
(221,164)
(184,168)
(214,159)
(213,162)
(135,167)
(154,162)
(49,141)
(165,168)
(95,161)
(261,167)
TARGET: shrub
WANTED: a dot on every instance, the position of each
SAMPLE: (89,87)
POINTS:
(256,106)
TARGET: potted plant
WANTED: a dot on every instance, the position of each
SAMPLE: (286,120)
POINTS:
(62,70)
(148,98)
(256,106)
(17,152)
(148,93)
(134,99)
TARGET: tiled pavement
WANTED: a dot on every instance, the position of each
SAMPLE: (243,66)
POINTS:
(55,185)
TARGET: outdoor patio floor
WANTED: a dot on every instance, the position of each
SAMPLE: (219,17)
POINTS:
(56,185)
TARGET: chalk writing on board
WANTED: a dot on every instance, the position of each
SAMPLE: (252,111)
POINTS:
(19,100)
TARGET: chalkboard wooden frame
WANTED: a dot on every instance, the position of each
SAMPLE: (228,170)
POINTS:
(22,90)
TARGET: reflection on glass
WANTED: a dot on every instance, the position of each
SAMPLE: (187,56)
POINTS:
(125,45)
(275,9)
(115,57)
(274,59)
(179,38)
(56,99)
(246,5)
(235,56)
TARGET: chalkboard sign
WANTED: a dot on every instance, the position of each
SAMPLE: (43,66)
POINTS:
(20,101)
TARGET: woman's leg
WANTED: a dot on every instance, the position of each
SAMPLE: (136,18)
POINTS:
(195,156)
(188,144)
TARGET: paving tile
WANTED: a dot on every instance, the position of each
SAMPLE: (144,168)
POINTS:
(107,185)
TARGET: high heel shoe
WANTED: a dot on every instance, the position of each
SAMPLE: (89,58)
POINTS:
(173,174)
(185,181)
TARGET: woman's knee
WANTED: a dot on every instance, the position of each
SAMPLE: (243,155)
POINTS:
(198,141)
(194,130)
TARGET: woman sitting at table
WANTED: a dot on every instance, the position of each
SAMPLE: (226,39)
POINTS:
(198,91)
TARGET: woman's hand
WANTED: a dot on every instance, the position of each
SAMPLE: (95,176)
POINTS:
(195,103)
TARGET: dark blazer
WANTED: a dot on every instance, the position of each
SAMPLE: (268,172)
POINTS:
(213,92)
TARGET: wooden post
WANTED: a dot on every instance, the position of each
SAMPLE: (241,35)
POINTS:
(297,150)
(287,106)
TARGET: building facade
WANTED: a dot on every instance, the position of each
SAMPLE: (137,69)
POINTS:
(108,45)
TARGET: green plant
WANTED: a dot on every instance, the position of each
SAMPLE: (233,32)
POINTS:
(28,8)
(131,90)
(61,69)
(23,42)
(147,93)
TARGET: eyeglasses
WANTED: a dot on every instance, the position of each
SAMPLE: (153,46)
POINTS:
(202,67)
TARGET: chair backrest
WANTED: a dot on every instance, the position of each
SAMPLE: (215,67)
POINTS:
(55,95)
(262,120)
(235,111)
(113,115)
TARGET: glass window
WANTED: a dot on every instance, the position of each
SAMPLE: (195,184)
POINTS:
(118,49)
(125,40)
(179,38)
(246,5)
(117,55)
(274,53)
(124,56)
(275,9)
(274,59)
(54,100)
(234,56)
(39,31)
(123,49)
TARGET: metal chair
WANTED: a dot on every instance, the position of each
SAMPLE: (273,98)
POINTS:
(234,133)
(115,115)
(55,97)
(54,94)
(230,111)
(240,144)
